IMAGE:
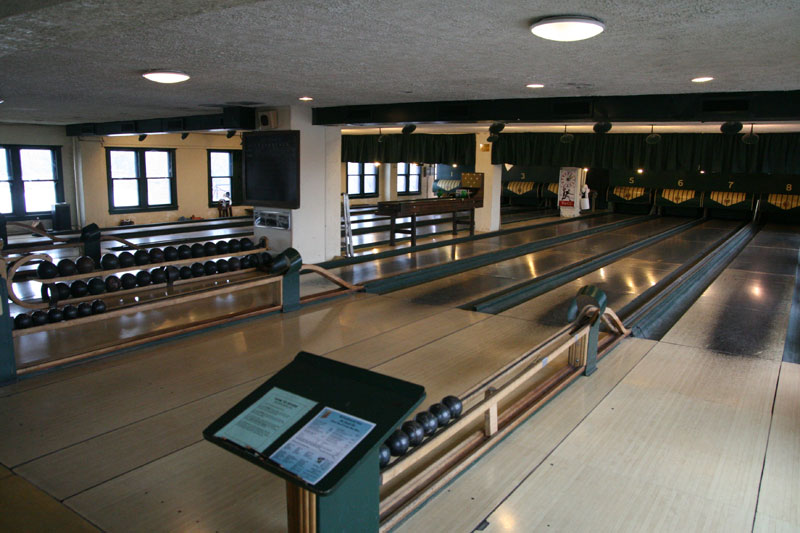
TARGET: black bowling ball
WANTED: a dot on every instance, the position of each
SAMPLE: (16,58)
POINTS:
(222,247)
(55,315)
(384,455)
(70,312)
(198,250)
(398,443)
(128,281)
(254,260)
(234,264)
(441,413)
(265,260)
(156,255)
(185,272)
(198,270)
(98,306)
(414,431)
(47,270)
(78,289)
(67,267)
(143,278)
(158,275)
(454,404)
(22,321)
(97,286)
(210,267)
(84,309)
(109,262)
(210,248)
(126,260)
(234,246)
(55,291)
(222,266)
(141,257)
(113,284)
(428,422)
(244,261)
(170,253)
(184,252)
(62,290)
(173,274)
(85,264)
(39,318)
(246,244)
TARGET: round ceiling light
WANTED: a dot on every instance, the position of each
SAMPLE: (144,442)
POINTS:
(567,28)
(702,79)
(535,86)
(166,76)
(305,99)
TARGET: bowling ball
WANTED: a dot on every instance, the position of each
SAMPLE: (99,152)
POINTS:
(22,321)
(62,290)
(84,309)
(85,264)
(173,274)
(210,267)
(141,257)
(414,431)
(128,281)
(78,289)
(55,315)
(109,262)
(244,261)
(384,455)
(39,318)
(198,250)
(143,278)
(210,248)
(70,312)
(156,255)
(398,443)
(234,246)
(67,267)
(246,244)
(265,259)
(46,270)
(98,306)
(234,264)
(454,404)
(222,247)
(170,253)
(97,286)
(222,266)
(158,275)
(126,260)
(254,260)
(113,284)
(198,270)
(441,413)
(185,272)
(184,252)
(428,422)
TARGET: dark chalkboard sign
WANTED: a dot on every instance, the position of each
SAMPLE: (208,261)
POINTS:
(272,168)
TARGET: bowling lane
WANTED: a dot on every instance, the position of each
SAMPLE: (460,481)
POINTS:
(463,288)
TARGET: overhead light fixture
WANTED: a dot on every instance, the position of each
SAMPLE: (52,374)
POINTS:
(408,129)
(497,127)
(455,165)
(566,138)
(702,79)
(731,127)
(305,99)
(230,134)
(640,171)
(567,28)
(377,163)
(142,137)
(750,138)
(602,127)
(535,86)
(166,76)
(653,138)
(493,138)
(381,136)
(184,135)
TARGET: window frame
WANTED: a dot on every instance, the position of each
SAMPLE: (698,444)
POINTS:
(407,174)
(235,198)
(141,178)
(18,211)
(361,178)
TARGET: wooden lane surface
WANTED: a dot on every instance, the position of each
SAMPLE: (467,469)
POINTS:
(678,445)
(26,508)
(778,509)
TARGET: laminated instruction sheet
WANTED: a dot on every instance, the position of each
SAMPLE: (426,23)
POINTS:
(321,444)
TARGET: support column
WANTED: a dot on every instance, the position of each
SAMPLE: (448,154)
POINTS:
(487,218)
(388,181)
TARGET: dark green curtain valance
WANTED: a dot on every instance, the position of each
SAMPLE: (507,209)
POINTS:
(415,148)
(774,152)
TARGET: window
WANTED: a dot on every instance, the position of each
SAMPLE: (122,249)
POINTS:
(362,179)
(141,179)
(408,175)
(224,176)
(30,180)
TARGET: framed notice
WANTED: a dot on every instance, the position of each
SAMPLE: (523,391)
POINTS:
(567,187)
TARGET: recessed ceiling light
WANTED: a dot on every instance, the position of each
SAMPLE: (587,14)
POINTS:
(166,76)
(535,86)
(567,28)
(305,99)
(702,79)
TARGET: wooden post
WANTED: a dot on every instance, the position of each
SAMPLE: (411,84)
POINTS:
(490,417)
(301,509)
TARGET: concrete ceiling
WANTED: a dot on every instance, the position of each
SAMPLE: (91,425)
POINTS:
(81,60)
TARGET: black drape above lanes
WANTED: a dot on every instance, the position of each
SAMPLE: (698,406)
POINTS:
(416,148)
(774,152)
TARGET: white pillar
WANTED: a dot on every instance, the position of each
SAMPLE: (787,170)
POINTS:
(487,218)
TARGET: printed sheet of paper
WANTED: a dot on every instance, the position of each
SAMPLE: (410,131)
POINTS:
(321,444)
(267,419)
